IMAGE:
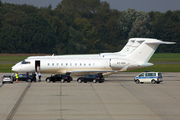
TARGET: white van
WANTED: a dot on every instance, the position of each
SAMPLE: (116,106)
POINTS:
(153,77)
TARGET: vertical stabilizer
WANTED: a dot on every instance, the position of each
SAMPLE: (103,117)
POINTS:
(133,47)
(145,51)
(127,46)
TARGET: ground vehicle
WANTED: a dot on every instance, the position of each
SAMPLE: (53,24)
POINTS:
(153,77)
(94,77)
(7,78)
(59,77)
(23,77)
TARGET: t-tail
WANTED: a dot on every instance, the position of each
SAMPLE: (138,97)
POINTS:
(144,52)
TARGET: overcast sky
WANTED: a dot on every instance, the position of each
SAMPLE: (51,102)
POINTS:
(121,5)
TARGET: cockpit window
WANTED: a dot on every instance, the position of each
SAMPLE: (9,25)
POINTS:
(25,62)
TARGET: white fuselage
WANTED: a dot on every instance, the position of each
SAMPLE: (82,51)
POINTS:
(134,55)
(75,66)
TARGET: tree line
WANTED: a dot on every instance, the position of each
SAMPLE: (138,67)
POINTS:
(82,26)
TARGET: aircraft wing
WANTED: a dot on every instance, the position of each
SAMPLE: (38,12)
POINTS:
(105,72)
(77,73)
(92,71)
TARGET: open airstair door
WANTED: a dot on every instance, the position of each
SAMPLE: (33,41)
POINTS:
(37,66)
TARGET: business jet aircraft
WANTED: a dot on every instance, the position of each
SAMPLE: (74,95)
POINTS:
(134,55)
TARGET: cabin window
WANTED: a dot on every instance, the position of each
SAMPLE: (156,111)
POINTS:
(89,64)
(61,64)
(57,64)
(84,64)
(66,64)
(93,64)
(80,64)
(75,64)
(48,64)
(70,64)
(52,64)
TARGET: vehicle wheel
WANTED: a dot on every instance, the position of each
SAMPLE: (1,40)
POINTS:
(137,81)
(79,80)
(142,82)
(62,80)
(29,80)
(68,81)
(153,82)
(85,81)
(12,82)
(158,82)
(48,80)
(94,81)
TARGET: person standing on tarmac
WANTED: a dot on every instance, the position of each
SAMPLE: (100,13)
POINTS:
(34,76)
(39,75)
(17,77)
(27,75)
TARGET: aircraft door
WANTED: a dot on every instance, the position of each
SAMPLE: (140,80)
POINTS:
(37,66)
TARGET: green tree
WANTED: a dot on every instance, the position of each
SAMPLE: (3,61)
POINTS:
(38,34)
(141,28)
(126,20)
(0,3)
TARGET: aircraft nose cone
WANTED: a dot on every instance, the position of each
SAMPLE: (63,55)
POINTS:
(15,69)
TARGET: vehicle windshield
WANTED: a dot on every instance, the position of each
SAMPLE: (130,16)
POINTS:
(22,75)
(25,62)
(141,75)
(159,74)
(6,76)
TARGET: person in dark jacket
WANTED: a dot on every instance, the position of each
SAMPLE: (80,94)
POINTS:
(27,74)
(34,76)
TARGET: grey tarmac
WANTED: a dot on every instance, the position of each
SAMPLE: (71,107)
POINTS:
(118,98)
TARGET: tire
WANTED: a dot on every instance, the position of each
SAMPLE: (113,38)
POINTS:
(48,80)
(79,80)
(85,81)
(68,81)
(94,81)
(153,82)
(62,80)
(137,81)
(29,80)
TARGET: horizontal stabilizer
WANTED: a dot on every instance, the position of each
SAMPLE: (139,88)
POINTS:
(160,42)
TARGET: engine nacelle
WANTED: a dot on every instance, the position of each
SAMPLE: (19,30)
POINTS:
(117,63)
